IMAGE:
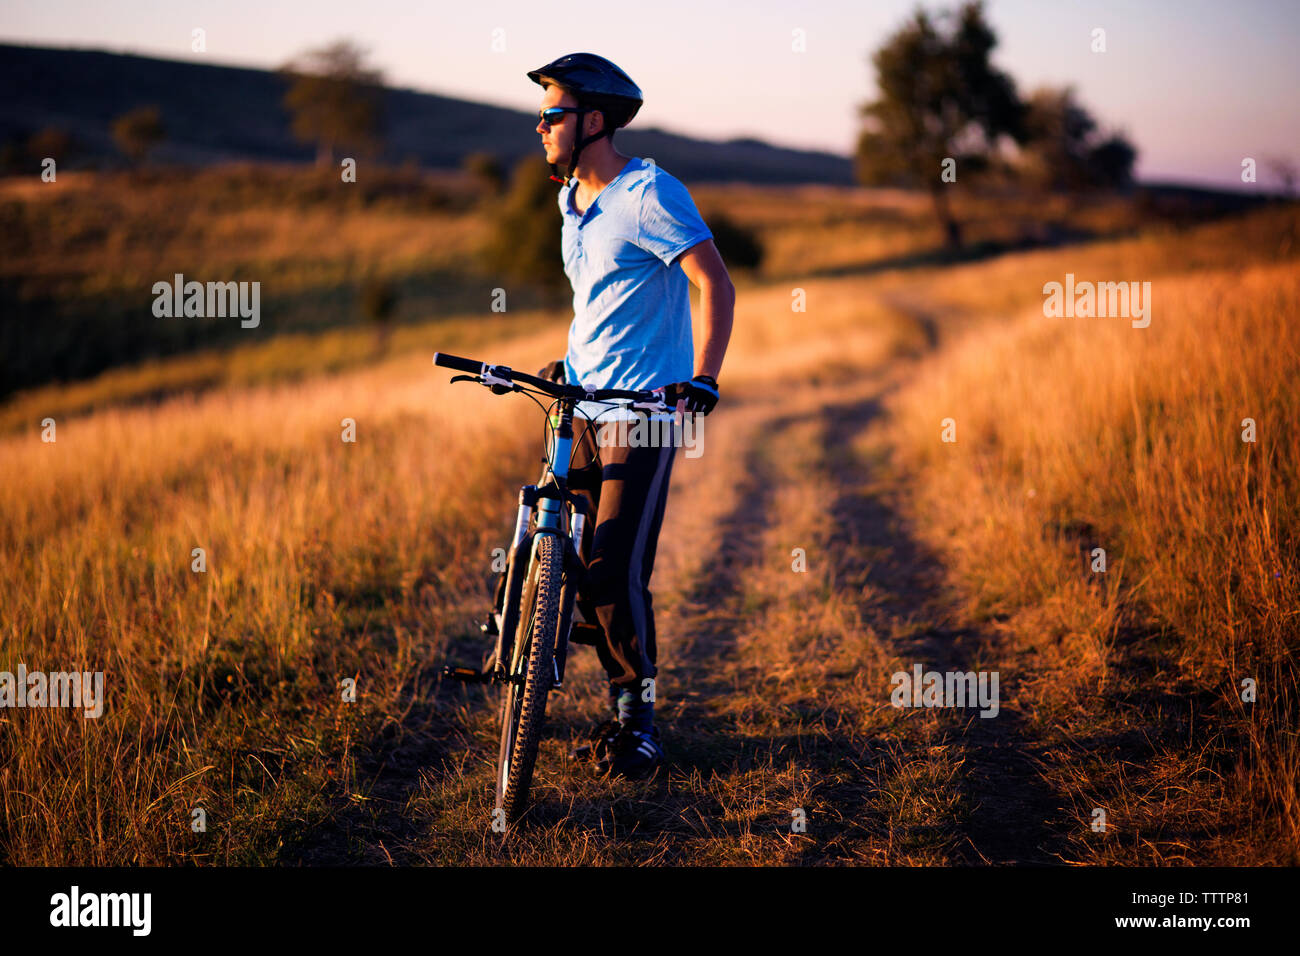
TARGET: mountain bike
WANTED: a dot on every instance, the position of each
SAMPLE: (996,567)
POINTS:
(532,617)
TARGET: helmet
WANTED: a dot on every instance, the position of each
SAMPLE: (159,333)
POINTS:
(597,84)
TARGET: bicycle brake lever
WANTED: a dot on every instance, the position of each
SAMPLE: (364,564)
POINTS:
(498,384)
(659,406)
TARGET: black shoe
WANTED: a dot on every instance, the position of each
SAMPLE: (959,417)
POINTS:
(635,754)
(599,742)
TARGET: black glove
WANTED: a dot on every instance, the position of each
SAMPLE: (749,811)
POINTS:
(700,393)
(553,372)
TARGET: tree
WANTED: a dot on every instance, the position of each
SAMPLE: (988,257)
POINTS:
(737,244)
(378,301)
(1110,162)
(51,142)
(486,170)
(138,132)
(1285,172)
(525,241)
(1063,147)
(939,99)
(335,100)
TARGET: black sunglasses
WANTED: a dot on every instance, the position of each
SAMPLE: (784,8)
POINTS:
(555,114)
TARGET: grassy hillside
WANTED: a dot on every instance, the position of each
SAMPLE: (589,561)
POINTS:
(329,560)
(79,257)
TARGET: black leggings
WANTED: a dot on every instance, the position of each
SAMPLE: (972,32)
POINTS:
(626,488)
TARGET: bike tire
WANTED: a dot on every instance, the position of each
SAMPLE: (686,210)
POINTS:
(523,707)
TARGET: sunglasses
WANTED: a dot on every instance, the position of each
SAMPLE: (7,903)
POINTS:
(555,114)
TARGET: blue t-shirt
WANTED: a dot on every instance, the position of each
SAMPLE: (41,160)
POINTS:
(631,302)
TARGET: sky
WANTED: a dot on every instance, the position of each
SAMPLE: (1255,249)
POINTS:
(1197,85)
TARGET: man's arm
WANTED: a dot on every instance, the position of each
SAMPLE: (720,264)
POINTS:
(704,267)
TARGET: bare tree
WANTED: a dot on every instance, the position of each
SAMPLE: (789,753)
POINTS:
(335,99)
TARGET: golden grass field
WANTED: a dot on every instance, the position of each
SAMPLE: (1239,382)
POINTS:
(328,560)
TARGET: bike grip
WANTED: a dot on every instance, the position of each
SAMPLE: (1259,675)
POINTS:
(459,364)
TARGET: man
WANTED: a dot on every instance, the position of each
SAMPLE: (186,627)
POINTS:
(632,237)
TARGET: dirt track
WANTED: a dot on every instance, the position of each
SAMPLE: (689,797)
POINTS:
(774,692)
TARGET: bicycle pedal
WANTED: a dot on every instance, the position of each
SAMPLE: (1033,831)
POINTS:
(466,675)
(588,634)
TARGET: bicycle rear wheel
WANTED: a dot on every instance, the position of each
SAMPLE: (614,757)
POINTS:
(523,705)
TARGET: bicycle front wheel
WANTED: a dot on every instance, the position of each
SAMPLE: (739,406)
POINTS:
(523,705)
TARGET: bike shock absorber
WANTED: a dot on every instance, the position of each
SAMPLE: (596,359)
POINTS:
(577,523)
(525,515)
(507,614)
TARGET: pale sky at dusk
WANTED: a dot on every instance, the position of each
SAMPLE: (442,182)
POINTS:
(1197,85)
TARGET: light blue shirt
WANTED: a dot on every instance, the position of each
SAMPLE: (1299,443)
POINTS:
(631,301)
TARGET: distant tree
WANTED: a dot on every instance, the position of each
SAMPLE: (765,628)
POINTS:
(486,168)
(1064,149)
(738,245)
(378,302)
(1283,170)
(939,98)
(50,142)
(1110,162)
(525,240)
(335,99)
(138,132)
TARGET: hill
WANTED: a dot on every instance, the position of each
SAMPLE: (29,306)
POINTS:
(218,114)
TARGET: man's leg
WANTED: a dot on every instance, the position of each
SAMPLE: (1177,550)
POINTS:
(585,481)
(633,495)
(648,562)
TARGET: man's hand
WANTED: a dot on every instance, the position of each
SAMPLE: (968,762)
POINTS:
(700,394)
(554,372)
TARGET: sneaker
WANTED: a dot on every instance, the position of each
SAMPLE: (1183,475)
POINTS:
(599,743)
(634,753)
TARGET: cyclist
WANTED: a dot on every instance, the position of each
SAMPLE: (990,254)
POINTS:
(632,237)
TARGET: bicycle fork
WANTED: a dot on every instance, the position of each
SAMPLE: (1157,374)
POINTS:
(547,504)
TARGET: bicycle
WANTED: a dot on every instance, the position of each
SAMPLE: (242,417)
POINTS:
(532,618)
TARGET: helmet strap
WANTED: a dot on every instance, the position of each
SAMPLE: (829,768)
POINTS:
(578,146)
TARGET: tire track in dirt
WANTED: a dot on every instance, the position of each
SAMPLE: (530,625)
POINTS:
(1012,805)
(831,743)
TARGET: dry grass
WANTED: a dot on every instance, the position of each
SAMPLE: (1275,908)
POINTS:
(111,234)
(328,560)
(1083,433)
(281,359)
(325,560)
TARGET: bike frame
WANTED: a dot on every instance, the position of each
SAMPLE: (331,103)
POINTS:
(547,508)
(550,500)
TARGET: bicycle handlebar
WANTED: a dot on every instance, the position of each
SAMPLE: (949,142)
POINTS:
(458,363)
(507,376)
